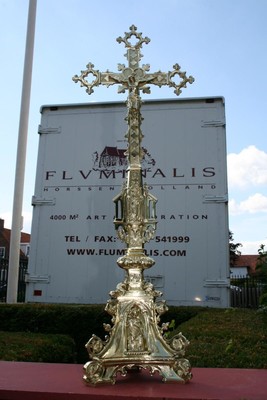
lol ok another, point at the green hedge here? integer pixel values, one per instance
(228, 338)
(77, 321)
(36, 347)
(263, 300)
(231, 338)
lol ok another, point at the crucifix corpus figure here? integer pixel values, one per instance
(136, 340)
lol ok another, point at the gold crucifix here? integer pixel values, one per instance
(133, 77)
(136, 340)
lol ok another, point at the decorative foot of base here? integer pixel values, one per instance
(100, 373)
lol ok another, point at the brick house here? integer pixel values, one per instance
(5, 242)
(244, 265)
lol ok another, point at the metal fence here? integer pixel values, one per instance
(23, 266)
(246, 291)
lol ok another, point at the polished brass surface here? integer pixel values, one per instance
(135, 339)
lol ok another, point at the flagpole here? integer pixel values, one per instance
(14, 252)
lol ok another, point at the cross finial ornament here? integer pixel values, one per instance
(128, 36)
(136, 339)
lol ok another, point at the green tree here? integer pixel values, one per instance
(261, 266)
(233, 249)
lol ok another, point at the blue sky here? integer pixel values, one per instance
(222, 43)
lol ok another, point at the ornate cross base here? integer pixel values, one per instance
(104, 372)
(136, 340)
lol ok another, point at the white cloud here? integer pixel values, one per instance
(253, 204)
(252, 247)
(249, 167)
(233, 207)
(27, 221)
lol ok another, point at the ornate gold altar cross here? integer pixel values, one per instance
(135, 340)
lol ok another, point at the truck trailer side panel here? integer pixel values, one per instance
(81, 167)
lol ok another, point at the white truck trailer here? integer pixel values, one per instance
(81, 167)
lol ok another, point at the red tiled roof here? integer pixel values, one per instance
(24, 238)
(249, 261)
